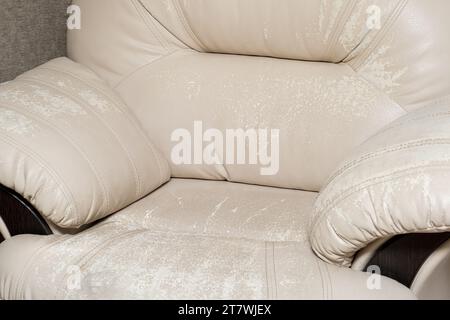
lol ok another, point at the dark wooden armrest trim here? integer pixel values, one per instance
(401, 257)
(19, 215)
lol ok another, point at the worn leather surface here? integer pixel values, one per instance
(325, 79)
(396, 182)
(71, 147)
(316, 71)
(181, 242)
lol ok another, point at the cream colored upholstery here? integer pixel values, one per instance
(182, 242)
(366, 81)
(325, 109)
(396, 182)
(71, 147)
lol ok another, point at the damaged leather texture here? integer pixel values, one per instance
(363, 113)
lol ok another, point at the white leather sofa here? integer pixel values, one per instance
(355, 95)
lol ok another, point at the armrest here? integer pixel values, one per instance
(397, 182)
(70, 146)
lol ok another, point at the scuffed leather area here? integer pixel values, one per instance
(396, 182)
(313, 69)
(71, 147)
(230, 245)
(322, 111)
(314, 30)
(222, 209)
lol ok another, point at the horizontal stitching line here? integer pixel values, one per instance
(370, 183)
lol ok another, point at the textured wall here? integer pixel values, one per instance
(31, 32)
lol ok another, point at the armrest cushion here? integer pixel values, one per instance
(70, 146)
(396, 182)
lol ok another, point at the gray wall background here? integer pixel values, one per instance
(31, 33)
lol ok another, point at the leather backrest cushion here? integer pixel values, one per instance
(71, 147)
(231, 92)
(330, 73)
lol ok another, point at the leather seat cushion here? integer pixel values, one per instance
(189, 239)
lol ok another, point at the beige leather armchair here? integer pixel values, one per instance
(212, 149)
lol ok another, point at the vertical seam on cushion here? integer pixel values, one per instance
(339, 26)
(126, 112)
(187, 26)
(330, 283)
(269, 249)
(137, 181)
(54, 128)
(138, 7)
(375, 88)
(274, 270)
(267, 271)
(156, 21)
(358, 62)
(54, 175)
(319, 268)
(153, 24)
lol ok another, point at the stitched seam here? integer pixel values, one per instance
(339, 26)
(437, 101)
(186, 25)
(390, 21)
(345, 260)
(53, 174)
(324, 295)
(140, 68)
(126, 112)
(391, 149)
(330, 283)
(138, 7)
(89, 83)
(274, 270)
(398, 174)
(155, 21)
(368, 183)
(137, 181)
(54, 128)
(436, 115)
(93, 252)
(267, 271)
(351, 54)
